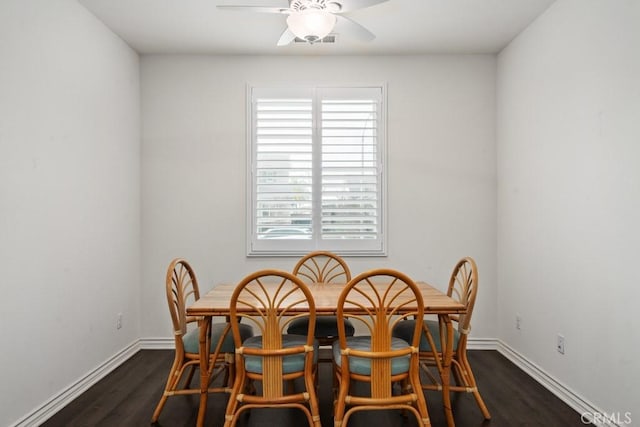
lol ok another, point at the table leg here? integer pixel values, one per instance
(445, 373)
(205, 326)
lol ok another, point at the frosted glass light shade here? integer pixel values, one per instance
(311, 24)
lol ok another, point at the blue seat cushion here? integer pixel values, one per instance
(290, 364)
(404, 330)
(326, 326)
(362, 365)
(191, 339)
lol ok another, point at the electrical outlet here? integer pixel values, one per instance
(119, 321)
(518, 321)
(560, 345)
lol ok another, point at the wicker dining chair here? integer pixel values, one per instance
(182, 290)
(463, 287)
(378, 299)
(268, 299)
(322, 267)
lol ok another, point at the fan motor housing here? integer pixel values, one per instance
(300, 5)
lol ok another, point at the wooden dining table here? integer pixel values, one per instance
(216, 303)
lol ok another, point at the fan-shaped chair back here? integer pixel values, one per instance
(378, 300)
(267, 300)
(322, 267)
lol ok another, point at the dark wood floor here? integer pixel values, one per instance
(128, 396)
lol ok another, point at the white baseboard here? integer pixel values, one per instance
(482, 344)
(59, 401)
(157, 344)
(567, 395)
(574, 400)
(64, 397)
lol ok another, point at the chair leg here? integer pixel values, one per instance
(239, 386)
(313, 399)
(482, 405)
(459, 374)
(335, 383)
(464, 363)
(339, 405)
(421, 403)
(192, 370)
(172, 381)
(156, 413)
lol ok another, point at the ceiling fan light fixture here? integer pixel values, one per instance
(311, 24)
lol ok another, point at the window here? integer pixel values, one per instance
(316, 181)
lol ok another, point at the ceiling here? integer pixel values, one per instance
(401, 26)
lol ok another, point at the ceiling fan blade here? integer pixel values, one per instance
(342, 6)
(350, 28)
(286, 37)
(259, 9)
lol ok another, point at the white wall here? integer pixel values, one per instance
(69, 199)
(441, 144)
(569, 197)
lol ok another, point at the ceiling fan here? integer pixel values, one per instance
(312, 20)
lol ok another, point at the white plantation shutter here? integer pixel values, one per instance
(350, 165)
(315, 180)
(283, 167)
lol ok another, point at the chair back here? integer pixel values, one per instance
(379, 299)
(182, 291)
(463, 287)
(268, 300)
(322, 267)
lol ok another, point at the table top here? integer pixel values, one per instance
(216, 302)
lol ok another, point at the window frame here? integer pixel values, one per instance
(294, 247)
